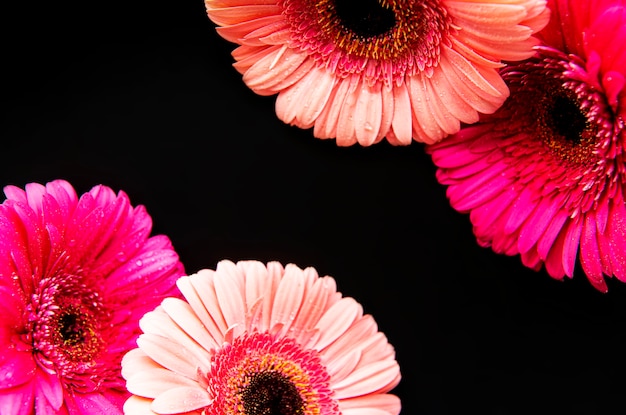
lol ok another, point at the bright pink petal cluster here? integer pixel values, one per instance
(76, 274)
(545, 176)
(254, 338)
(363, 71)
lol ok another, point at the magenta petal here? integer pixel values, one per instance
(49, 390)
(98, 404)
(18, 401)
(570, 245)
(142, 269)
(616, 233)
(536, 224)
(589, 252)
(16, 367)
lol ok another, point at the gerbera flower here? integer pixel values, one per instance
(256, 339)
(76, 274)
(545, 176)
(362, 71)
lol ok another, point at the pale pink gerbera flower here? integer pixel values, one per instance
(545, 176)
(255, 339)
(362, 71)
(76, 274)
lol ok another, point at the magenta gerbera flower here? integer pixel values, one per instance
(76, 274)
(545, 176)
(256, 339)
(362, 71)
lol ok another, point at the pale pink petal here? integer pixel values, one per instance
(151, 383)
(181, 399)
(389, 106)
(193, 298)
(184, 316)
(203, 283)
(326, 124)
(346, 123)
(159, 323)
(452, 100)
(136, 360)
(368, 379)
(301, 104)
(422, 117)
(362, 329)
(136, 405)
(368, 114)
(482, 89)
(343, 365)
(237, 32)
(375, 347)
(369, 411)
(289, 297)
(169, 354)
(230, 293)
(337, 319)
(390, 404)
(307, 318)
(262, 283)
(225, 16)
(273, 68)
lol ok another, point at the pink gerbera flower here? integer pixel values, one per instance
(545, 176)
(76, 274)
(362, 71)
(255, 339)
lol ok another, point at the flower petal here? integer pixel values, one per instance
(181, 399)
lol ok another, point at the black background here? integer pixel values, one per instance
(142, 97)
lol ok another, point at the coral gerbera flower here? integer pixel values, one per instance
(258, 339)
(545, 176)
(76, 274)
(362, 71)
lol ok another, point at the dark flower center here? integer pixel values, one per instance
(271, 393)
(365, 18)
(564, 117)
(71, 329)
(563, 124)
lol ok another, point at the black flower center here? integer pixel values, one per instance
(565, 119)
(271, 393)
(564, 125)
(365, 18)
(71, 328)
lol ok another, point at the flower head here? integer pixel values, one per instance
(76, 274)
(260, 339)
(362, 71)
(545, 176)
